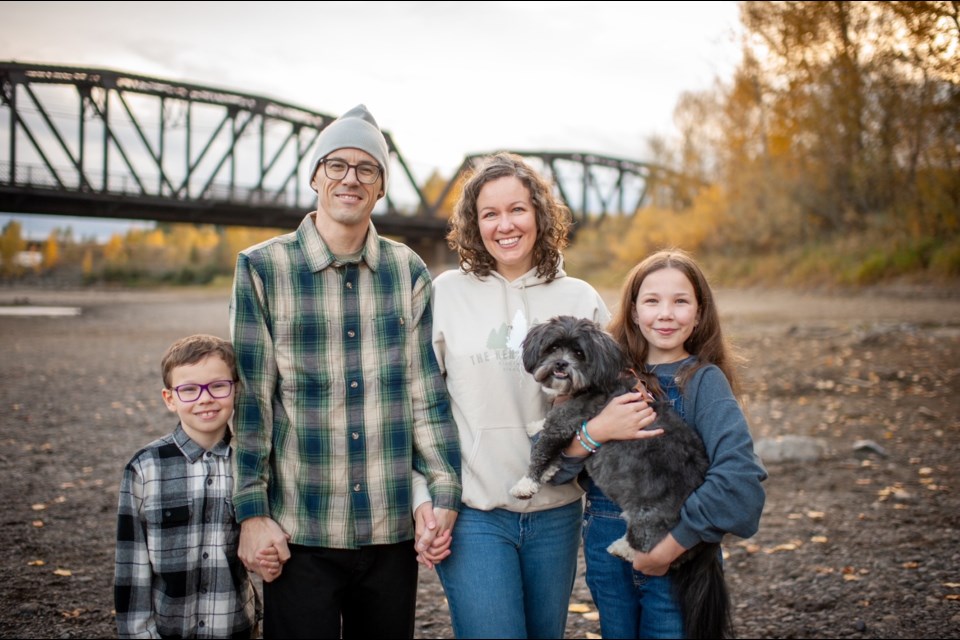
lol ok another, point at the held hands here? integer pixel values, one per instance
(434, 533)
(657, 562)
(263, 547)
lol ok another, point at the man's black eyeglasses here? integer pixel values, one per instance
(337, 170)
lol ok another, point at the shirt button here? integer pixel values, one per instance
(354, 385)
(351, 333)
(200, 624)
(356, 487)
(205, 555)
(349, 285)
(209, 481)
(355, 435)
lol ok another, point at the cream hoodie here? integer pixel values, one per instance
(478, 327)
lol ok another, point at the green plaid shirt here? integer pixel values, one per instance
(340, 396)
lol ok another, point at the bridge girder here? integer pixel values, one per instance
(103, 143)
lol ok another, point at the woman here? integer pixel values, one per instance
(511, 563)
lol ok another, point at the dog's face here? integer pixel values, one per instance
(567, 355)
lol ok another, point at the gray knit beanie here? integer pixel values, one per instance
(356, 129)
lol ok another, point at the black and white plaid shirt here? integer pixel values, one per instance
(177, 571)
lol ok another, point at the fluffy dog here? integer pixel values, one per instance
(649, 479)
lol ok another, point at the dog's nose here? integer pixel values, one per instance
(560, 365)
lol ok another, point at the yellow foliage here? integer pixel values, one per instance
(656, 228)
(51, 251)
(433, 188)
(86, 266)
(114, 252)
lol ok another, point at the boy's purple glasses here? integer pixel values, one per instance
(191, 392)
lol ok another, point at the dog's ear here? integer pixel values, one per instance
(605, 358)
(533, 345)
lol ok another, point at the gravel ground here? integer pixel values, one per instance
(861, 543)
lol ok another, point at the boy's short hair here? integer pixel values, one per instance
(193, 349)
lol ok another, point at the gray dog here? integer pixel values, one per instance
(649, 479)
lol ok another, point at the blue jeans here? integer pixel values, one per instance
(631, 604)
(510, 575)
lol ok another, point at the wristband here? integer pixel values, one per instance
(586, 434)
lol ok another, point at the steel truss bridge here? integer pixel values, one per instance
(103, 143)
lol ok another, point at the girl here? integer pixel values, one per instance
(668, 324)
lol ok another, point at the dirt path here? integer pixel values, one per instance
(857, 544)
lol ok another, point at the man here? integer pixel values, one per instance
(341, 399)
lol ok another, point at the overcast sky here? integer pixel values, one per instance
(444, 78)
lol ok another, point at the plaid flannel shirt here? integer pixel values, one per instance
(177, 571)
(341, 396)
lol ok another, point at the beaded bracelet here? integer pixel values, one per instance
(583, 428)
(584, 444)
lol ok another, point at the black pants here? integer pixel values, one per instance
(371, 592)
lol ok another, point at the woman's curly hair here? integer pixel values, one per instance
(552, 215)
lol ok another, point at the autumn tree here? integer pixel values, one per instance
(51, 250)
(839, 113)
(11, 244)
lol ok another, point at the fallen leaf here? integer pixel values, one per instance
(37, 523)
(63, 572)
(38, 506)
(37, 563)
(849, 577)
(72, 614)
(592, 616)
(577, 607)
(593, 636)
(952, 585)
(60, 499)
(952, 596)
(815, 515)
(787, 546)
(925, 471)
(819, 539)
(910, 565)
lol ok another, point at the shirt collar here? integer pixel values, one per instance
(192, 451)
(319, 256)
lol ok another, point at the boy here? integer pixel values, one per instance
(177, 570)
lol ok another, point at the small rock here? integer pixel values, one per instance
(867, 447)
(790, 448)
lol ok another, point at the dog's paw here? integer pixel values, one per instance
(550, 472)
(525, 488)
(621, 549)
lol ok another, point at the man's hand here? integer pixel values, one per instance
(257, 536)
(434, 533)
